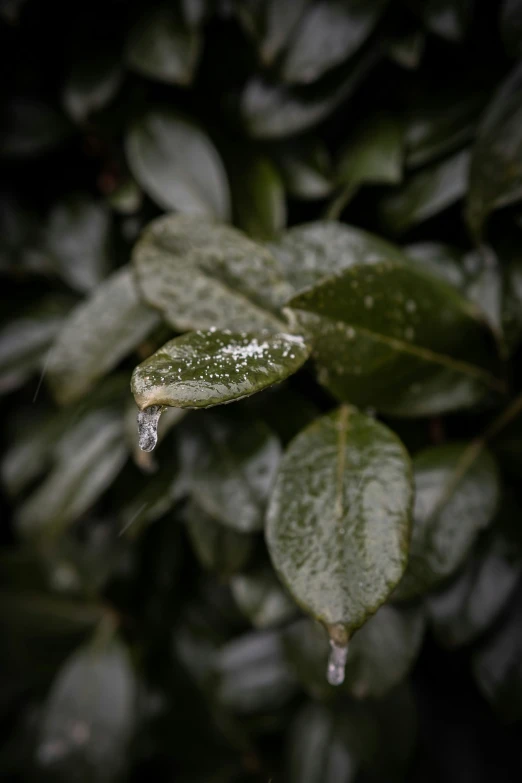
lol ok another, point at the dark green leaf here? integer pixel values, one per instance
(379, 339)
(271, 23)
(406, 49)
(426, 193)
(89, 715)
(163, 46)
(442, 260)
(511, 26)
(473, 600)
(88, 459)
(271, 111)
(36, 613)
(258, 196)
(204, 275)
(30, 128)
(339, 517)
(329, 32)
(306, 169)
(373, 154)
(252, 673)
(77, 240)
(24, 341)
(201, 369)
(151, 498)
(31, 452)
(177, 165)
(317, 750)
(236, 469)
(217, 547)
(454, 481)
(93, 82)
(495, 177)
(98, 333)
(261, 597)
(447, 18)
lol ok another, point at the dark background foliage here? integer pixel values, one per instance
(112, 113)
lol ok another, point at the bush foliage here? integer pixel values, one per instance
(312, 210)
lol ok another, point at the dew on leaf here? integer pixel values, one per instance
(148, 420)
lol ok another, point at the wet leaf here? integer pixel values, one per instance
(277, 25)
(77, 240)
(30, 128)
(379, 339)
(270, 111)
(330, 31)
(88, 460)
(236, 470)
(203, 275)
(454, 481)
(497, 664)
(495, 177)
(258, 196)
(162, 46)
(317, 749)
(339, 517)
(217, 547)
(471, 603)
(92, 83)
(201, 369)
(97, 334)
(252, 674)
(89, 715)
(373, 154)
(306, 169)
(441, 260)
(261, 598)
(177, 165)
(426, 193)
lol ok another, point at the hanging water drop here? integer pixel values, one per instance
(336, 663)
(148, 427)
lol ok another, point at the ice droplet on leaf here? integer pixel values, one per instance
(148, 427)
(336, 663)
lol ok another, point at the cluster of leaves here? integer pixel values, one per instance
(343, 185)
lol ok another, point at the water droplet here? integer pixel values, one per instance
(148, 427)
(368, 301)
(336, 663)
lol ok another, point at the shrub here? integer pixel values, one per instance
(310, 209)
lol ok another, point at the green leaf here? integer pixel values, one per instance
(30, 128)
(77, 240)
(441, 260)
(373, 154)
(87, 462)
(339, 517)
(441, 120)
(89, 715)
(151, 498)
(261, 598)
(317, 750)
(236, 467)
(177, 165)
(495, 177)
(258, 196)
(426, 193)
(97, 335)
(497, 664)
(37, 613)
(271, 111)
(271, 23)
(407, 48)
(315, 251)
(201, 369)
(25, 340)
(380, 655)
(379, 340)
(454, 481)
(252, 674)
(217, 547)
(447, 18)
(471, 603)
(329, 32)
(93, 82)
(162, 46)
(203, 275)
(511, 26)
(30, 452)
(305, 168)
